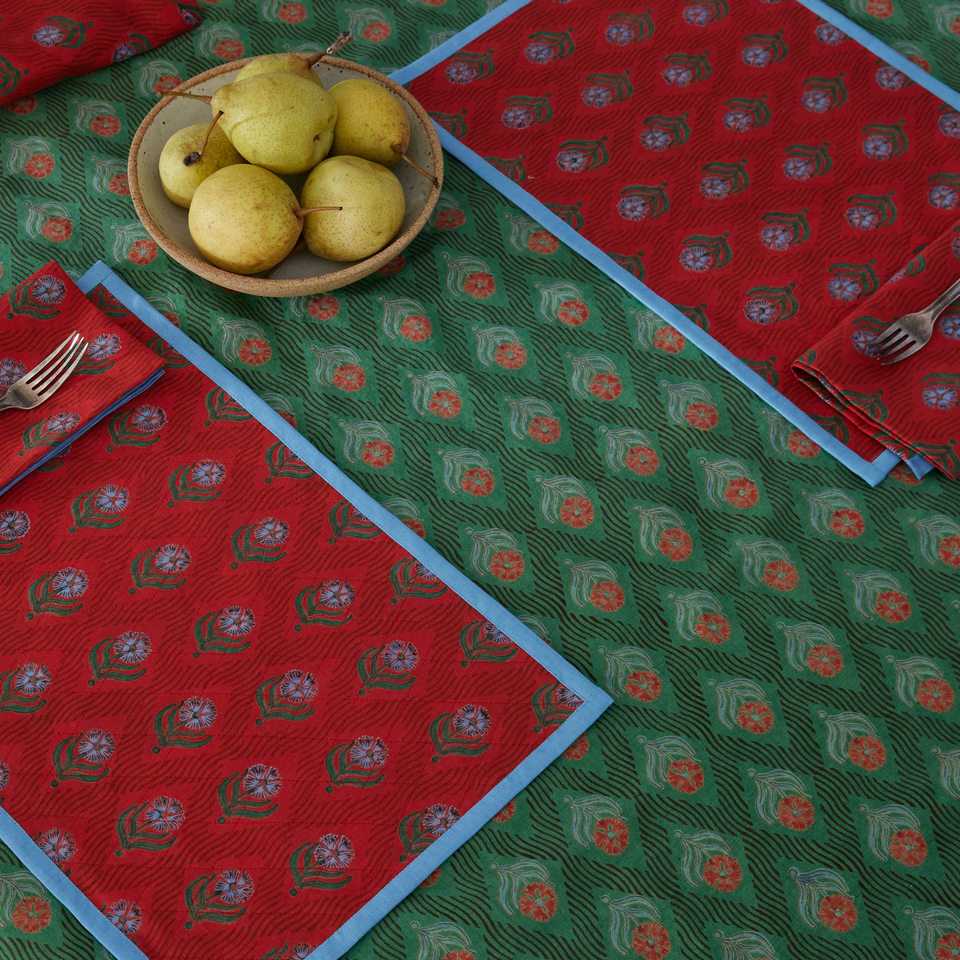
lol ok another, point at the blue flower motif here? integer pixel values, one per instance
(131, 646)
(844, 288)
(761, 311)
(948, 325)
(300, 951)
(123, 51)
(48, 36)
(271, 532)
(863, 341)
(96, 746)
(70, 583)
(368, 752)
(862, 218)
(738, 120)
(697, 259)
(4, 774)
(14, 524)
(197, 713)
(171, 558)
(236, 621)
(656, 139)
(439, 818)
(400, 657)
(333, 852)
(677, 75)
(949, 124)
(816, 101)
(829, 34)
(336, 593)
(11, 371)
(48, 290)
(943, 197)
(877, 147)
(716, 188)
(125, 915)
(164, 814)
(59, 845)
(233, 886)
(111, 499)
(797, 168)
(539, 52)
(776, 237)
(568, 697)
(471, 720)
(460, 72)
(261, 781)
(890, 78)
(298, 685)
(940, 397)
(62, 422)
(697, 15)
(423, 573)
(620, 34)
(103, 346)
(493, 634)
(633, 207)
(756, 56)
(207, 473)
(573, 161)
(148, 418)
(517, 118)
(32, 679)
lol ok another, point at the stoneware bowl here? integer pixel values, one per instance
(303, 274)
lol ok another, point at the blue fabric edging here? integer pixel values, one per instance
(595, 700)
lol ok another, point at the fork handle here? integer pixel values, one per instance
(943, 301)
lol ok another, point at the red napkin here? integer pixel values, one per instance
(910, 406)
(43, 45)
(36, 316)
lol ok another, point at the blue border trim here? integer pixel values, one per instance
(595, 700)
(873, 471)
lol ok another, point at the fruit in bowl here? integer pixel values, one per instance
(274, 88)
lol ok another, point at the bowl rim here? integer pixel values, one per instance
(288, 286)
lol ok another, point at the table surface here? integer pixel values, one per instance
(687, 543)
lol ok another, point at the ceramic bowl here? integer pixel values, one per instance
(303, 274)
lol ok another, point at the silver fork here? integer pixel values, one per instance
(43, 381)
(913, 331)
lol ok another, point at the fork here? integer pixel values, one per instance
(913, 331)
(43, 381)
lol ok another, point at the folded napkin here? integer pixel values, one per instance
(43, 45)
(36, 316)
(911, 406)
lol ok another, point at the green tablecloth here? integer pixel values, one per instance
(680, 543)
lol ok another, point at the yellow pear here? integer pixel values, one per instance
(278, 121)
(278, 63)
(179, 180)
(371, 122)
(372, 204)
(243, 219)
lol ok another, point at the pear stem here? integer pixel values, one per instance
(303, 212)
(342, 40)
(189, 96)
(191, 158)
(429, 176)
(299, 247)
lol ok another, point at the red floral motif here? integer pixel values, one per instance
(543, 242)
(254, 351)
(479, 286)
(642, 461)
(723, 873)
(948, 946)
(606, 386)
(908, 847)
(292, 13)
(349, 377)
(478, 482)
(676, 544)
(432, 879)
(643, 685)
(755, 717)
(456, 954)
(867, 752)
(166, 83)
(825, 660)
(741, 493)
(847, 523)
(712, 627)
(507, 565)
(323, 307)
(838, 913)
(22, 105)
(393, 266)
(229, 49)
(450, 219)
(31, 914)
(882, 9)
(376, 32)
(780, 575)
(578, 749)
(892, 605)
(650, 941)
(538, 901)
(611, 836)
(57, 229)
(686, 776)
(574, 313)
(703, 416)
(936, 695)
(948, 550)
(607, 595)
(904, 475)
(544, 430)
(576, 512)
(377, 454)
(669, 340)
(416, 328)
(446, 404)
(105, 125)
(40, 165)
(142, 252)
(800, 445)
(118, 185)
(510, 356)
(795, 812)
(502, 816)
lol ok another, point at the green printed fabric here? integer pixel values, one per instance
(780, 774)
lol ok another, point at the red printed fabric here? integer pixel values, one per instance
(909, 406)
(37, 316)
(43, 44)
(232, 708)
(752, 164)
